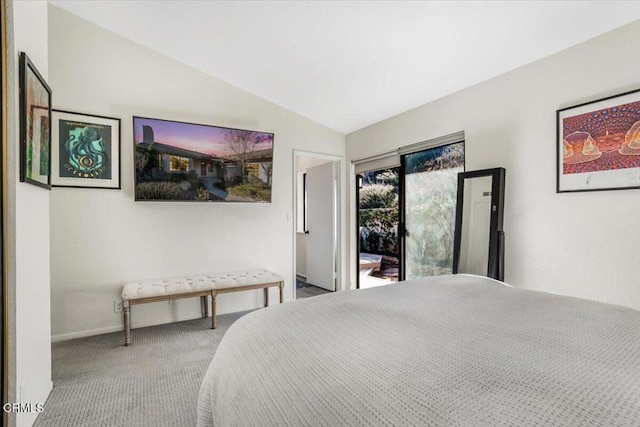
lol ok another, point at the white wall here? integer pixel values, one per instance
(582, 244)
(27, 231)
(102, 238)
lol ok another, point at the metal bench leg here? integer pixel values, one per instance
(281, 290)
(266, 296)
(214, 296)
(127, 322)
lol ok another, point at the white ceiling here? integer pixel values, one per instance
(349, 64)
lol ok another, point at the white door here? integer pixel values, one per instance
(321, 224)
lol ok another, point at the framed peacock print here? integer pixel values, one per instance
(35, 126)
(598, 145)
(85, 150)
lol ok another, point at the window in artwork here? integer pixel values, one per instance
(178, 164)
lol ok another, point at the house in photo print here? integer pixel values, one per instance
(258, 164)
(191, 162)
(174, 159)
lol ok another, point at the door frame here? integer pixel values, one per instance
(402, 218)
(357, 206)
(337, 244)
(4, 308)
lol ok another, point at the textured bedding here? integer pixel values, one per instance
(450, 350)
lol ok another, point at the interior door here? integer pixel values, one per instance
(321, 226)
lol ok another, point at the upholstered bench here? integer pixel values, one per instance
(196, 286)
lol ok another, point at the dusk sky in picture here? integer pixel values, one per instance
(201, 138)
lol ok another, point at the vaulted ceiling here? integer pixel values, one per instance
(348, 64)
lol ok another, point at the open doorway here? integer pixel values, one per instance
(316, 207)
(378, 219)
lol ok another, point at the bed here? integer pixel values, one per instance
(448, 350)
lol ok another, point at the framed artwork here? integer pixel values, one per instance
(85, 150)
(35, 126)
(189, 162)
(598, 145)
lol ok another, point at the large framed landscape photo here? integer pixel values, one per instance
(85, 150)
(35, 126)
(178, 161)
(598, 145)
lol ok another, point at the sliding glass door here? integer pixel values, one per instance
(429, 208)
(406, 214)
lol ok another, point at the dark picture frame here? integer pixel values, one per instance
(35, 126)
(190, 162)
(598, 144)
(86, 150)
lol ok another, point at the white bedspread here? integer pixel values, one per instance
(451, 350)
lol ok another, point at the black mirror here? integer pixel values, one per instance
(479, 237)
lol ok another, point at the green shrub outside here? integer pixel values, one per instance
(158, 191)
(257, 191)
(378, 230)
(202, 194)
(378, 196)
(379, 213)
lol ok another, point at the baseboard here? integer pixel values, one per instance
(27, 419)
(134, 325)
(301, 277)
(119, 328)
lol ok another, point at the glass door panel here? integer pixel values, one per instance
(430, 190)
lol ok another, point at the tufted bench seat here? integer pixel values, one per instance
(141, 292)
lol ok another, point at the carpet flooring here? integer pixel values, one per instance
(154, 382)
(305, 290)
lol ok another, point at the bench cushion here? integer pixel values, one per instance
(183, 285)
(245, 278)
(162, 287)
